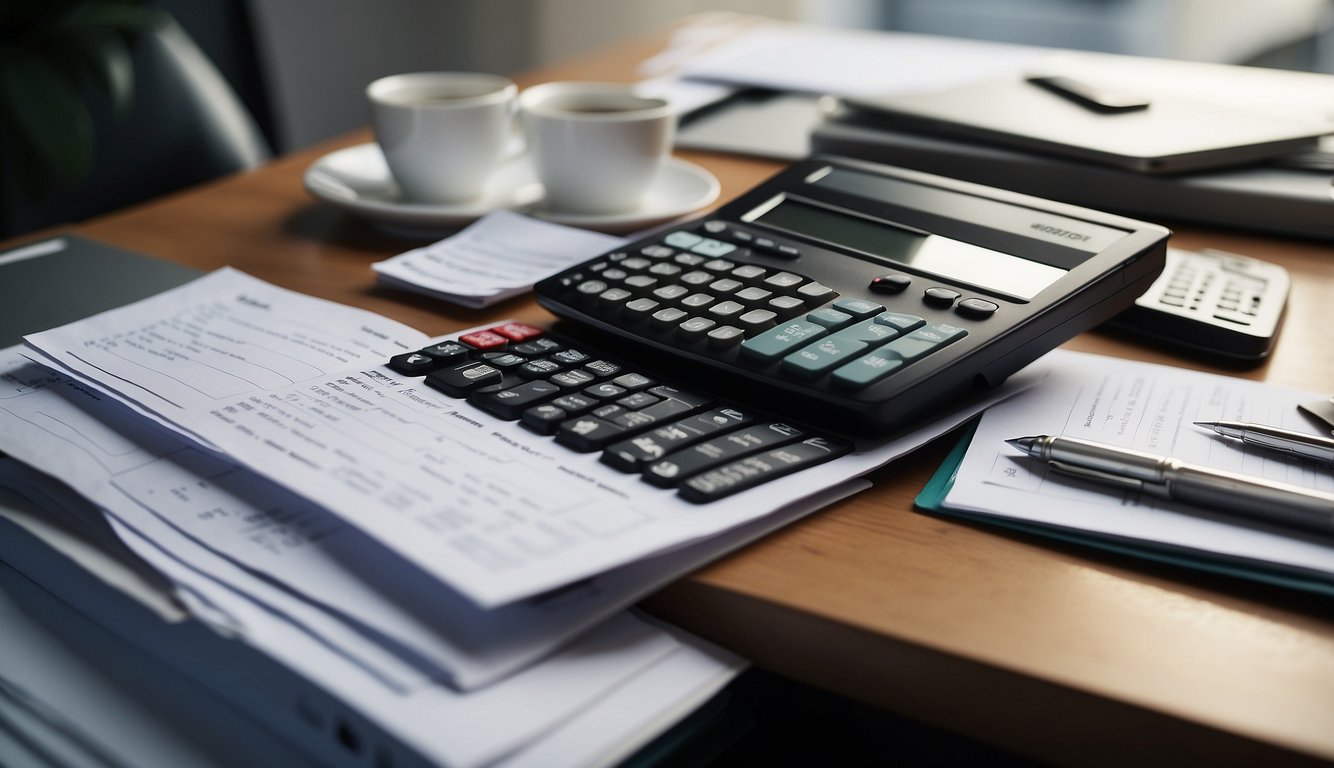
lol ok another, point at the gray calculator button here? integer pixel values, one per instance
(758, 319)
(671, 292)
(688, 259)
(749, 273)
(727, 310)
(786, 306)
(814, 293)
(939, 297)
(613, 297)
(640, 282)
(858, 308)
(656, 251)
(635, 263)
(726, 285)
(664, 269)
(784, 280)
(666, 318)
(697, 301)
(695, 327)
(977, 308)
(697, 277)
(715, 227)
(719, 265)
(641, 307)
(753, 294)
(725, 336)
(591, 287)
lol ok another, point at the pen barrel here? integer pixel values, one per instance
(1254, 499)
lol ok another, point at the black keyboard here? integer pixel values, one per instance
(672, 437)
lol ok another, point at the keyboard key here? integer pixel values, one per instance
(656, 251)
(784, 281)
(503, 360)
(719, 265)
(697, 278)
(758, 320)
(755, 470)
(669, 317)
(725, 336)
(636, 400)
(414, 363)
(753, 295)
(572, 379)
(697, 301)
(814, 293)
(604, 391)
(640, 283)
(725, 285)
(575, 404)
(726, 310)
(570, 357)
(671, 292)
(641, 308)
(539, 369)
(786, 306)
(603, 368)
(695, 328)
(719, 450)
(633, 381)
(749, 273)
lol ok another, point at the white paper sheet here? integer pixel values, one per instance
(487, 507)
(114, 458)
(846, 62)
(500, 255)
(1148, 408)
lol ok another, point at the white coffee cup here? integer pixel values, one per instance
(595, 146)
(442, 133)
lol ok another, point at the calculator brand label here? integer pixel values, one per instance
(1063, 234)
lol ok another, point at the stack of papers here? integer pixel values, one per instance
(1148, 408)
(500, 255)
(428, 565)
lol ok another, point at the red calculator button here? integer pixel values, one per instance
(484, 340)
(518, 331)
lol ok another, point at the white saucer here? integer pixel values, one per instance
(357, 179)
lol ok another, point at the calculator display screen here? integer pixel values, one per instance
(921, 251)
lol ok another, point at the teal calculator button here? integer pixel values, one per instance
(925, 340)
(868, 332)
(866, 370)
(821, 355)
(682, 239)
(858, 308)
(829, 318)
(780, 340)
(707, 246)
(899, 321)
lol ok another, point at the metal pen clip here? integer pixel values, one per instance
(1107, 478)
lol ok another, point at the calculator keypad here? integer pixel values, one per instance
(675, 438)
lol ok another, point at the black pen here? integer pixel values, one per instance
(1298, 444)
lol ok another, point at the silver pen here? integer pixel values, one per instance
(1249, 497)
(1301, 445)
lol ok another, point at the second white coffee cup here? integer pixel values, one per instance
(595, 146)
(442, 133)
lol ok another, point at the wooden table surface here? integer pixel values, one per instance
(1053, 651)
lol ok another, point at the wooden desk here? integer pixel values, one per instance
(1053, 651)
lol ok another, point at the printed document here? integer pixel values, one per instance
(1148, 408)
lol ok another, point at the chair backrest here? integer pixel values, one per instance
(186, 126)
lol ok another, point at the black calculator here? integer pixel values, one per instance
(838, 299)
(856, 296)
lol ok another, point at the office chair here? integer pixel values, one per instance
(186, 126)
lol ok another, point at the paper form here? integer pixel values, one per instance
(485, 506)
(500, 255)
(1147, 408)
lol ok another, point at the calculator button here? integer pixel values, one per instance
(575, 404)
(632, 381)
(503, 360)
(780, 340)
(537, 369)
(640, 283)
(695, 327)
(866, 370)
(726, 310)
(640, 308)
(784, 281)
(890, 283)
(710, 247)
(717, 451)
(786, 306)
(484, 340)
(766, 243)
(829, 318)
(664, 269)
(570, 357)
(697, 301)
(899, 321)
(688, 259)
(572, 379)
(604, 391)
(518, 331)
(636, 400)
(726, 285)
(461, 379)
(414, 363)
(758, 320)
(536, 347)
(635, 263)
(725, 336)
(858, 308)
(509, 404)
(714, 227)
(822, 355)
(671, 292)
(868, 332)
(544, 419)
(925, 340)
(682, 239)
(631, 455)
(668, 317)
(587, 433)
(815, 293)
(753, 294)
(977, 308)
(446, 351)
(613, 297)
(697, 277)
(656, 251)
(749, 472)
(749, 273)
(939, 297)
(613, 274)
(719, 265)
(788, 251)
(603, 368)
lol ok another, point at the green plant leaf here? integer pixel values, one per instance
(104, 55)
(44, 113)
